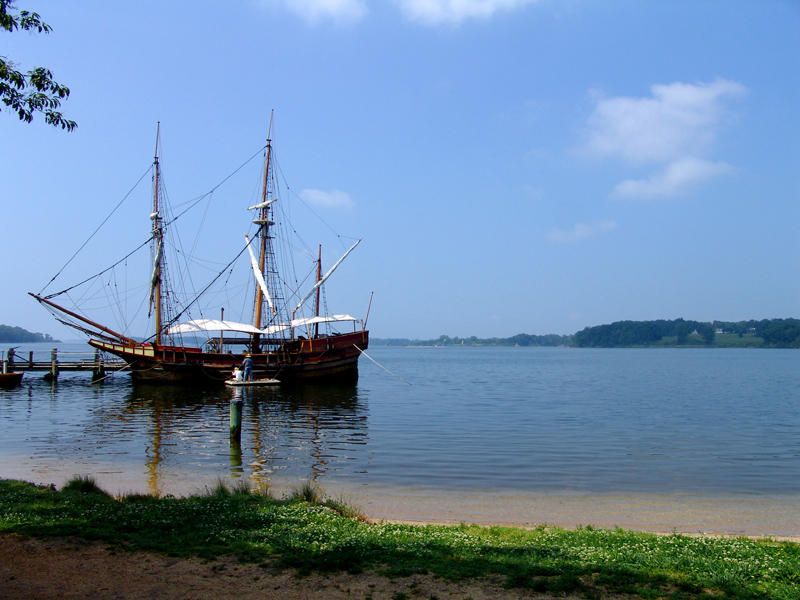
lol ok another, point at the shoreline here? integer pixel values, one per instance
(752, 517)
(745, 515)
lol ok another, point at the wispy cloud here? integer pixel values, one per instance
(676, 178)
(581, 231)
(454, 12)
(426, 12)
(314, 11)
(674, 129)
(332, 199)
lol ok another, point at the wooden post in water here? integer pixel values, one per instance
(53, 374)
(99, 370)
(235, 455)
(236, 420)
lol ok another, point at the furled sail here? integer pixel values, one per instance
(264, 204)
(272, 329)
(328, 274)
(156, 274)
(198, 325)
(259, 275)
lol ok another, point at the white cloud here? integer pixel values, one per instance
(454, 12)
(427, 12)
(674, 128)
(332, 199)
(580, 231)
(313, 11)
(678, 177)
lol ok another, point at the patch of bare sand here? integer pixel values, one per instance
(67, 569)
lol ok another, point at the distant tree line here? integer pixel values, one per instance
(775, 333)
(642, 333)
(521, 339)
(779, 333)
(18, 335)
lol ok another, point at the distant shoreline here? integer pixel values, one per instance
(677, 333)
(380, 343)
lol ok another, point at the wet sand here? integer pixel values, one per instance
(771, 517)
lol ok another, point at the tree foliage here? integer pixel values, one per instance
(18, 335)
(34, 91)
(643, 333)
(521, 339)
(780, 333)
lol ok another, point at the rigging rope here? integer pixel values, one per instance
(205, 289)
(212, 190)
(95, 232)
(381, 366)
(124, 258)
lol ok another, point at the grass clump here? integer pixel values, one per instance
(307, 492)
(83, 484)
(315, 535)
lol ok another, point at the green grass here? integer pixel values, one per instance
(732, 340)
(316, 535)
(721, 340)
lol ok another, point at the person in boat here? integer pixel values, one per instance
(238, 375)
(247, 364)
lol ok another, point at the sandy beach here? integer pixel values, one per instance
(753, 517)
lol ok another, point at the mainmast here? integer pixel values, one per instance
(263, 223)
(158, 238)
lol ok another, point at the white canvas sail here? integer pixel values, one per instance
(264, 204)
(259, 276)
(205, 325)
(328, 274)
(273, 329)
(156, 274)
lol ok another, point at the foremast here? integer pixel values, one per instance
(156, 294)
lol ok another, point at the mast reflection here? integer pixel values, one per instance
(288, 432)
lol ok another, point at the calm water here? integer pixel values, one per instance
(503, 421)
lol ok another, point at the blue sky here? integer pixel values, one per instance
(513, 165)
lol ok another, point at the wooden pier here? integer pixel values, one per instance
(98, 363)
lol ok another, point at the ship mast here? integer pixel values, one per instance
(319, 276)
(158, 237)
(263, 223)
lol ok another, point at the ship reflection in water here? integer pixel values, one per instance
(290, 434)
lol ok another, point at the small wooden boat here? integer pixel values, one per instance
(235, 383)
(10, 380)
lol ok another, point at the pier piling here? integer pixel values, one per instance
(99, 370)
(53, 374)
(236, 419)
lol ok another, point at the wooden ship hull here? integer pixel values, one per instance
(331, 358)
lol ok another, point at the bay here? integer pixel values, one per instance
(654, 438)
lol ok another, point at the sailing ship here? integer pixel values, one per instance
(274, 340)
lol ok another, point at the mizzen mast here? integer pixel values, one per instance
(319, 276)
